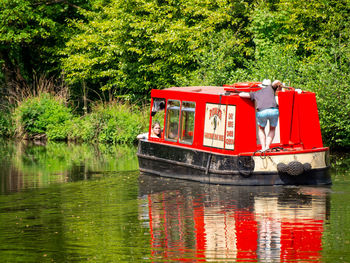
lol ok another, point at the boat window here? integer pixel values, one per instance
(157, 116)
(187, 122)
(158, 105)
(172, 120)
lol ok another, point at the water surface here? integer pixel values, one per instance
(84, 203)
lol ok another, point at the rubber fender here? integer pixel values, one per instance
(282, 167)
(245, 165)
(307, 167)
(295, 168)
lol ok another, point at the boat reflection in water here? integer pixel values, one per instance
(190, 221)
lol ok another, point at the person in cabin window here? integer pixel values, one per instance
(173, 130)
(266, 109)
(156, 132)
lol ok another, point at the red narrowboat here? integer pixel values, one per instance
(209, 134)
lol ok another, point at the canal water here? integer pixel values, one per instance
(84, 203)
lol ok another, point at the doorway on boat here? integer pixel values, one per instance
(180, 119)
(188, 110)
(172, 120)
(158, 113)
(275, 140)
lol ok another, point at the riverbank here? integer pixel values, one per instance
(47, 117)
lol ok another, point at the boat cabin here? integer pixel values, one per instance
(217, 119)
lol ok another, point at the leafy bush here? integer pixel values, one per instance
(58, 132)
(6, 126)
(330, 82)
(43, 114)
(119, 123)
(82, 129)
(109, 123)
(127, 50)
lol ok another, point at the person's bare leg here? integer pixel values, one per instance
(270, 136)
(262, 137)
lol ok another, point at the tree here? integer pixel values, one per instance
(304, 26)
(133, 46)
(31, 33)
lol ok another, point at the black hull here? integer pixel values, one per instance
(182, 163)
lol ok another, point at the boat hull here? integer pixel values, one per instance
(208, 167)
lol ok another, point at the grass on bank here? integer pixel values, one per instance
(47, 117)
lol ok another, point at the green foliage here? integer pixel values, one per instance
(304, 26)
(110, 123)
(22, 19)
(31, 34)
(274, 63)
(135, 45)
(57, 132)
(331, 85)
(6, 125)
(216, 62)
(82, 129)
(40, 115)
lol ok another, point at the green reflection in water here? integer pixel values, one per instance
(90, 220)
(49, 212)
(32, 166)
(336, 238)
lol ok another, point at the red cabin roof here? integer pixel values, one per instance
(248, 86)
(216, 90)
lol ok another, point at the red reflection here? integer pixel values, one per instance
(198, 217)
(247, 236)
(186, 228)
(301, 240)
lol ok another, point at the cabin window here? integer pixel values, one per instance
(187, 122)
(172, 120)
(157, 116)
(158, 106)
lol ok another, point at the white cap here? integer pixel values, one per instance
(265, 83)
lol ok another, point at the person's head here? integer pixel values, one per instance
(156, 128)
(277, 85)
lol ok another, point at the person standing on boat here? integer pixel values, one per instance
(266, 109)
